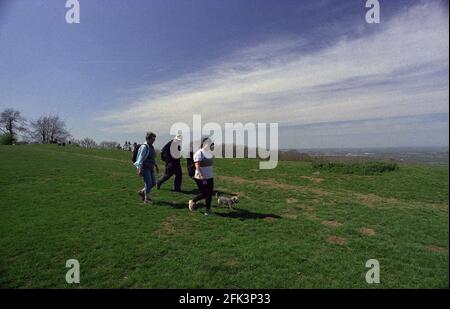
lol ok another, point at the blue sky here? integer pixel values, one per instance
(316, 67)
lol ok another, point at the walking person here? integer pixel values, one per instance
(171, 155)
(146, 164)
(204, 176)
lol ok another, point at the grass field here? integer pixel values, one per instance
(294, 227)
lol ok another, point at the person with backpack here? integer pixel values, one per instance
(190, 165)
(144, 158)
(173, 165)
(204, 177)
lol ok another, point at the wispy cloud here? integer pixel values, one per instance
(397, 70)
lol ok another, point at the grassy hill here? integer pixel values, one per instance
(295, 227)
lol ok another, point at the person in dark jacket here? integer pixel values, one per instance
(171, 154)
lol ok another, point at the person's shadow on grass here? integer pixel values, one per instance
(235, 213)
(245, 215)
(177, 205)
(196, 191)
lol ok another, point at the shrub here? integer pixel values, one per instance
(7, 139)
(355, 167)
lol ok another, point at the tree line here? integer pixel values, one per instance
(44, 130)
(49, 129)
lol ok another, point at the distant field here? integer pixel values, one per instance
(294, 227)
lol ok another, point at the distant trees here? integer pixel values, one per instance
(49, 129)
(110, 145)
(87, 143)
(12, 122)
(45, 130)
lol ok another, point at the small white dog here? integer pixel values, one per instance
(226, 201)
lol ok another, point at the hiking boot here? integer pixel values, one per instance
(141, 194)
(191, 205)
(208, 212)
(148, 202)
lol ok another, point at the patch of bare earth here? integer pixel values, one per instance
(313, 179)
(372, 199)
(301, 206)
(227, 260)
(336, 240)
(438, 249)
(310, 208)
(367, 231)
(272, 184)
(172, 226)
(289, 214)
(309, 212)
(332, 223)
(311, 217)
(291, 200)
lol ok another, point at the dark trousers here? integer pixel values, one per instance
(172, 169)
(206, 191)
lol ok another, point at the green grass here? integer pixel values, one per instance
(61, 203)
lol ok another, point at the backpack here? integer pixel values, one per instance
(164, 154)
(135, 152)
(190, 167)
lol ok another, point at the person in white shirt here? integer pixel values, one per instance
(204, 174)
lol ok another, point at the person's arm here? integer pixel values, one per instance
(140, 158)
(198, 156)
(199, 169)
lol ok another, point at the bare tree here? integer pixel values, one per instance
(49, 129)
(88, 143)
(110, 145)
(12, 122)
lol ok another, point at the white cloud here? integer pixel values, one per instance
(394, 71)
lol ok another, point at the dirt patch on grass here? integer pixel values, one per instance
(305, 208)
(172, 226)
(310, 208)
(291, 200)
(332, 223)
(439, 206)
(337, 240)
(272, 184)
(289, 214)
(372, 199)
(311, 217)
(270, 219)
(367, 231)
(224, 259)
(313, 179)
(438, 249)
